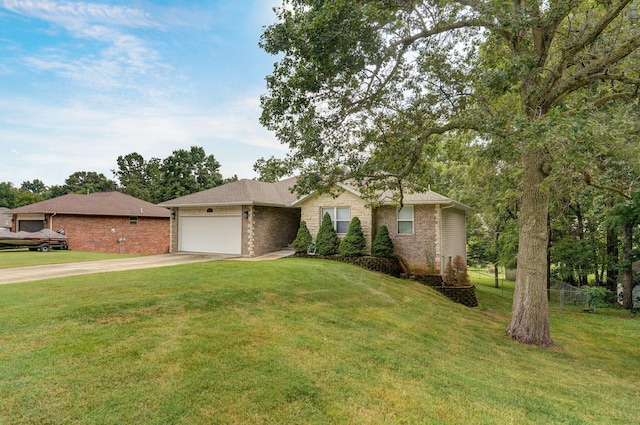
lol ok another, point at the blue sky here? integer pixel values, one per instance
(82, 82)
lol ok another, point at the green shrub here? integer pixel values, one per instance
(596, 297)
(382, 244)
(303, 238)
(353, 243)
(327, 239)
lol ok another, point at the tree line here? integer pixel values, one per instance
(154, 180)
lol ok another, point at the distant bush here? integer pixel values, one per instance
(596, 297)
(353, 243)
(303, 238)
(382, 245)
(327, 239)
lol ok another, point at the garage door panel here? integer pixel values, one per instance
(220, 235)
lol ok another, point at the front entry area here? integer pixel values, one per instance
(218, 235)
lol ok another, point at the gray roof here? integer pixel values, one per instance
(424, 198)
(387, 198)
(241, 192)
(254, 192)
(101, 203)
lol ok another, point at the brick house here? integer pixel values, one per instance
(246, 217)
(5, 218)
(252, 218)
(108, 222)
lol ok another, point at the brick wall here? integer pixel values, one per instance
(311, 212)
(413, 249)
(273, 229)
(100, 234)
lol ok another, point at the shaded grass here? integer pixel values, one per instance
(298, 341)
(24, 257)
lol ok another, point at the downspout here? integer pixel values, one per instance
(51, 221)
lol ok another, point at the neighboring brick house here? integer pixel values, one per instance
(5, 218)
(252, 218)
(108, 222)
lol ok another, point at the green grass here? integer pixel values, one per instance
(24, 257)
(299, 341)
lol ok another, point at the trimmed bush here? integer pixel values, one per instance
(327, 239)
(382, 244)
(303, 238)
(353, 243)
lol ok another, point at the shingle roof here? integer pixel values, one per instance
(425, 198)
(101, 203)
(254, 192)
(241, 192)
(387, 198)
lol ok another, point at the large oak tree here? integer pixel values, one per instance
(364, 89)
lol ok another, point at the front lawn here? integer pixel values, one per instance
(24, 257)
(299, 341)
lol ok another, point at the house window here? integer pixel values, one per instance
(405, 220)
(133, 221)
(340, 217)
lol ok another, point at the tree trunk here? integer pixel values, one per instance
(612, 260)
(495, 262)
(530, 316)
(548, 257)
(627, 272)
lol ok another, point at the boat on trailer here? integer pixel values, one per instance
(43, 240)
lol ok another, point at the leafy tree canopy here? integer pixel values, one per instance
(181, 173)
(88, 182)
(189, 171)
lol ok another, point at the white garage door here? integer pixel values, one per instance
(220, 235)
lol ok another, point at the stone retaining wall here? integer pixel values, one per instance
(465, 295)
(390, 266)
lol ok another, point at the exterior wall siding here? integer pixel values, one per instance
(273, 229)
(112, 234)
(418, 250)
(311, 212)
(454, 237)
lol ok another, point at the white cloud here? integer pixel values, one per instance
(79, 14)
(103, 81)
(119, 58)
(58, 141)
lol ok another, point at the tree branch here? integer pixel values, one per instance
(442, 28)
(571, 51)
(597, 71)
(588, 180)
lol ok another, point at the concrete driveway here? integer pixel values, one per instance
(50, 271)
